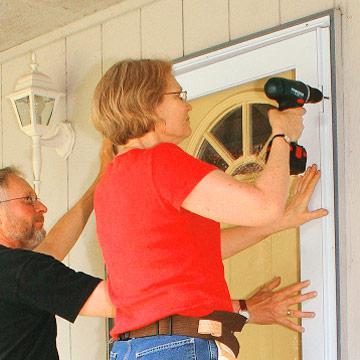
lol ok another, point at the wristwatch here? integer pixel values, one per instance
(243, 310)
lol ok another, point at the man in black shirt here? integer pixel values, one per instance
(35, 286)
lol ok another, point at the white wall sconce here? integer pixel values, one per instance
(35, 102)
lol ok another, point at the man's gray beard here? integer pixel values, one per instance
(36, 239)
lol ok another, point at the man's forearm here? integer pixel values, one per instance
(62, 237)
(67, 230)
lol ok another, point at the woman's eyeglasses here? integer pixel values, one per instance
(182, 94)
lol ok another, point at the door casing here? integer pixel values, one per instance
(304, 47)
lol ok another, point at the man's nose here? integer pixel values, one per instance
(40, 207)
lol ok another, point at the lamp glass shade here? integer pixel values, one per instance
(44, 107)
(23, 109)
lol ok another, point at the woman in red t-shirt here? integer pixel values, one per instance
(158, 211)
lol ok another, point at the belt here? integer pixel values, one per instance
(224, 323)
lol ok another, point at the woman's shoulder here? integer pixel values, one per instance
(168, 148)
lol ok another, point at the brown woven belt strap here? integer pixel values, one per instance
(188, 326)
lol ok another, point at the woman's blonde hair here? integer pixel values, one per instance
(126, 97)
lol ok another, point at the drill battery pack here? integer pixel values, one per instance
(298, 158)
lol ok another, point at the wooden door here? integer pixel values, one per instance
(231, 131)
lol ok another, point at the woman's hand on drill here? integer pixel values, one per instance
(288, 122)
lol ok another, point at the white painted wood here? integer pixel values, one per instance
(121, 38)
(54, 176)
(349, 177)
(327, 184)
(1, 119)
(248, 16)
(161, 29)
(83, 59)
(291, 10)
(206, 23)
(306, 49)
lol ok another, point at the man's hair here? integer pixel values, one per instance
(126, 97)
(5, 173)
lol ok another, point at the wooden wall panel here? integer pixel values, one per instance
(291, 10)
(248, 16)
(121, 39)
(161, 29)
(54, 175)
(83, 72)
(350, 197)
(1, 118)
(54, 178)
(206, 24)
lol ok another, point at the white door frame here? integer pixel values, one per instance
(207, 73)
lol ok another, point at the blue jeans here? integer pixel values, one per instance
(174, 347)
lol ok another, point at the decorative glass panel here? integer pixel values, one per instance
(248, 168)
(261, 129)
(229, 132)
(23, 109)
(207, 153)
(43, 109)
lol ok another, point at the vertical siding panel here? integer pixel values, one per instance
(54, 181)
(206, 23)
(161, 29)
(350, 127)
(1, 118)
(248, 16)
(121, 39)
(84, 71)
(53, 187)
(291, 10)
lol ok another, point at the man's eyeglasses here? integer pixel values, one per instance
(182, 94)
(29, 200)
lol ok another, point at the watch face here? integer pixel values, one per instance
(245, 314)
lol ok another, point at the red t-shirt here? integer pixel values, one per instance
(161, 259)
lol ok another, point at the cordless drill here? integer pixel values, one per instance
(292, 94)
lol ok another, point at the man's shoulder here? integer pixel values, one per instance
(18, 252)
(20, 262)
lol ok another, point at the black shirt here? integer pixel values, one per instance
(33, 289)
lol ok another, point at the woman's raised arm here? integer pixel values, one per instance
(220, 197)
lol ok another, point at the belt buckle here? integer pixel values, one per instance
(211, 327)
